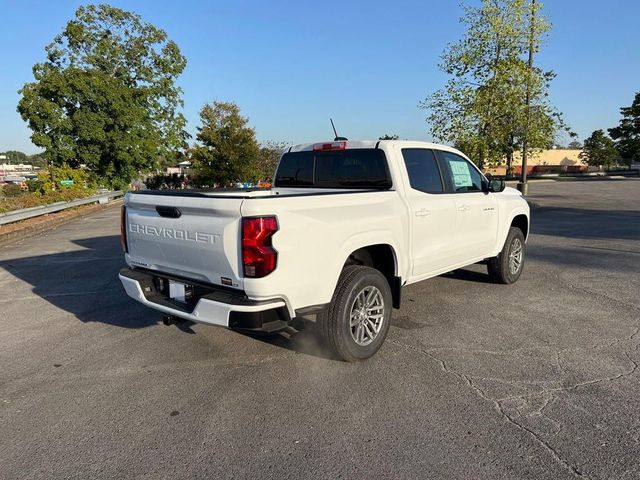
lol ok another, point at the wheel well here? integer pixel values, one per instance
(521, 222)
(382, 258)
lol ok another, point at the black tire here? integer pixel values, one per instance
(334, 322)
(501, 268)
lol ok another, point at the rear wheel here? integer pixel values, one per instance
(355, 323)
(507, 266)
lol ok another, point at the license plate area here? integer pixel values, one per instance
(180, 292)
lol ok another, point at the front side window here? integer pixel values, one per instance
(464, 177)
(422, 169)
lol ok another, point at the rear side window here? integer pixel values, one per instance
(356, 168)
(422, 169)
(464, 177)
(294, 171)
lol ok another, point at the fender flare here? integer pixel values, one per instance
(504, 231)
(356, 242)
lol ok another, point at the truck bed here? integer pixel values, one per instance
(196, 234)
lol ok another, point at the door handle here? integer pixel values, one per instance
(423, 212)
(464, 208)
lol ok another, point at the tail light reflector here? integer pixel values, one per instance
(259, 258)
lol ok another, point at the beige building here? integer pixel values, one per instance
(555, 160)
(556, 156)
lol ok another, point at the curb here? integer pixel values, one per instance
(52, 221)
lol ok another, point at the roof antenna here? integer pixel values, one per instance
(337, 138)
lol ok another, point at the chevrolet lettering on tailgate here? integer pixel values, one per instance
(174, 233)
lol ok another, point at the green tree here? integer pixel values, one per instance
(627, 133)
(14, 156)
(483, 107)
(37, 160)
(106, 96)
(386, 136)
(228, 150)
(575, 145)
(268, 158)
(598, 150)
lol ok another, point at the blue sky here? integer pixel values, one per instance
(290, 65)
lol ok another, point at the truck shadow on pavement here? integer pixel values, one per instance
(84, 282)
(468, 275)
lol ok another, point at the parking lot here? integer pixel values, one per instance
(476, 380)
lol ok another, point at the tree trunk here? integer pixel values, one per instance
(525, 146)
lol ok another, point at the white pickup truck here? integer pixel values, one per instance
(345, 226)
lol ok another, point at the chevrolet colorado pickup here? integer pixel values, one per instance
(344, 227)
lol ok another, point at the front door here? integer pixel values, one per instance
(432, 213)
(476, 227)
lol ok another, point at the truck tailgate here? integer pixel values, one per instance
(196, 237)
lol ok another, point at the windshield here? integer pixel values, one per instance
(356, 168)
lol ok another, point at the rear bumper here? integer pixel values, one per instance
(214, 307)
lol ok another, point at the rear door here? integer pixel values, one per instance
(432, 212)
(194, 236)
(476, 210)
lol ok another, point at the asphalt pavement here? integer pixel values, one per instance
(476, 380)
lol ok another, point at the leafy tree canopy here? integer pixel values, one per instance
(386, 136)
(576, 145)
(598, 150)
(268, 158)
(106, 95)
(228, 150)
(627, 133)
(14, 156)
(482, 108)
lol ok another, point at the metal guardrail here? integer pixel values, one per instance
(25, 213)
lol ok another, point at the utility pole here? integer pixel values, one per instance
(523, 186)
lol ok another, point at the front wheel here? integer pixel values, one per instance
(507, 266)
(355, 323)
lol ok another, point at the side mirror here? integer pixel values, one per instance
(497, 185)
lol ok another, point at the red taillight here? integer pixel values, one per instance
(123, 229)
(327, 147)
(258, 256)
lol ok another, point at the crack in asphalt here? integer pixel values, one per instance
(597, 294)
(548, 394)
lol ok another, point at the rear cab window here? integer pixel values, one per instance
(364, 168)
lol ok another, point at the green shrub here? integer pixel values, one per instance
(43, 191)
(12, 190)
(82, 179)
(34, 186)
(36, 199)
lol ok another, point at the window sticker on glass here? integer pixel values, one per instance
(461, 174)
